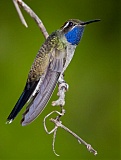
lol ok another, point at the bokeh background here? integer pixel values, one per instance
(92, 102)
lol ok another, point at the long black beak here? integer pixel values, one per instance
(91, 21)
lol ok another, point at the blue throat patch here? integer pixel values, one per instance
(75, 35)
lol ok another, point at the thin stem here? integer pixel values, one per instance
(53, 144)
(32, 14)
(59, 124)
(20, 13)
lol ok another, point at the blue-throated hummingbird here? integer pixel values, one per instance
(50, 63)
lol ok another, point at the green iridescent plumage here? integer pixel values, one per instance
(42, 59)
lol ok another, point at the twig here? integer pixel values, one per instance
(54, 130)
(32, 14)
(58, 124)
(53, 144)
(80, 140)
(44, 121)
(19, 13)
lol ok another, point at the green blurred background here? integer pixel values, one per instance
(92, 102)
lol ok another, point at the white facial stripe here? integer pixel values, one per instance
(66, 25)
(74, 26)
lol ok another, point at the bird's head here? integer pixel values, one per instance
(73, 30)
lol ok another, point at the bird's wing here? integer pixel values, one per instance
(41, 98)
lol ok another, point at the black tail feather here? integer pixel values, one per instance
(26, 94)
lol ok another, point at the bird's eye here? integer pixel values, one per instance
(70, 24)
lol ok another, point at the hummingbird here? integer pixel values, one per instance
(50, 63)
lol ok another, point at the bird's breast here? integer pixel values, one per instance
(70, 49)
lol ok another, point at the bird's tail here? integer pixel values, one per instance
(28, 90)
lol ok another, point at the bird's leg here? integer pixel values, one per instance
(62, 88)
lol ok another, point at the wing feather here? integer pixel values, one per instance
(41, 98)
